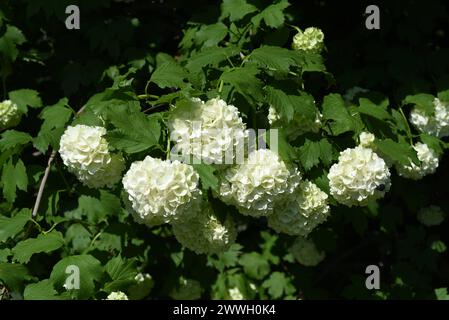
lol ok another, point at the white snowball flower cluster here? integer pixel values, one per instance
(9, 114)
(85, 152)
(208, 130)
(142, 287)
(306, 253)
(306, 208)
(205, 233)
(256, 185)
(311, 40)
(188, 289)
(117, 295)
(431, 216)
(429, 163)
(436, 125)
(366, 139)
(235, 294)
(359, 177)
(162, 191)
(273, 115)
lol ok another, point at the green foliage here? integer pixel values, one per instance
(128, 67)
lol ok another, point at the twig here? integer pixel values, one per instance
(46, 174)
(43, 182)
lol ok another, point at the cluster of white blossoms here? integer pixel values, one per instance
(273, 115)
(162, 191)
(85, 152)
(187, 289)
(9, 114)
(366, 139)
(429, 163)
(117, 295)
(255, 186)
(310, 40)
(437, 124)
(205, 233)
(210, 131)
(306, 253)
(306, 208)
(359, 177)
(431, 216)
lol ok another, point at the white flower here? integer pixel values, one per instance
(254, 186)
(207, 130)
(273, 116)
(235, 294)
(85, 152)
(366, 139)
(437, 124)
(117, 295)
(187, 289)
(204, 233)
(312, 40)
(142, 287)
(9, 114)
(431, 216)
(359, 177)
(306, 208)
(429, 163)
(162, 191)
(109, 175)
(306, 253)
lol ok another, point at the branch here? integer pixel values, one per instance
(46, 174)
(43, 182)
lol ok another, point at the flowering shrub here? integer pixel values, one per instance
(246, 150)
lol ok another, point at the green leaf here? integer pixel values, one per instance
(433, 142)
(272, 57)
(236, 9)
(12, 226)
(25, 98)
(281, 102)
(13, 275)
(9, 42)
(90, 271)
(335, 111)
(210, 56)
(55, 118)
(206, 173)
(278, 284)
(438, 246)
(255, 265)
(42, 290)
(136, 131)
(444, 96)
(122, 273)
(79, 237)
(43, 243)
(441, 294)
(398, 152)
(13, 177)
(169, 74)
(13, 138)
(211, 35)
(273, 15)
(374, 110)
(245, 82)
(309, 154)
(423, 101)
